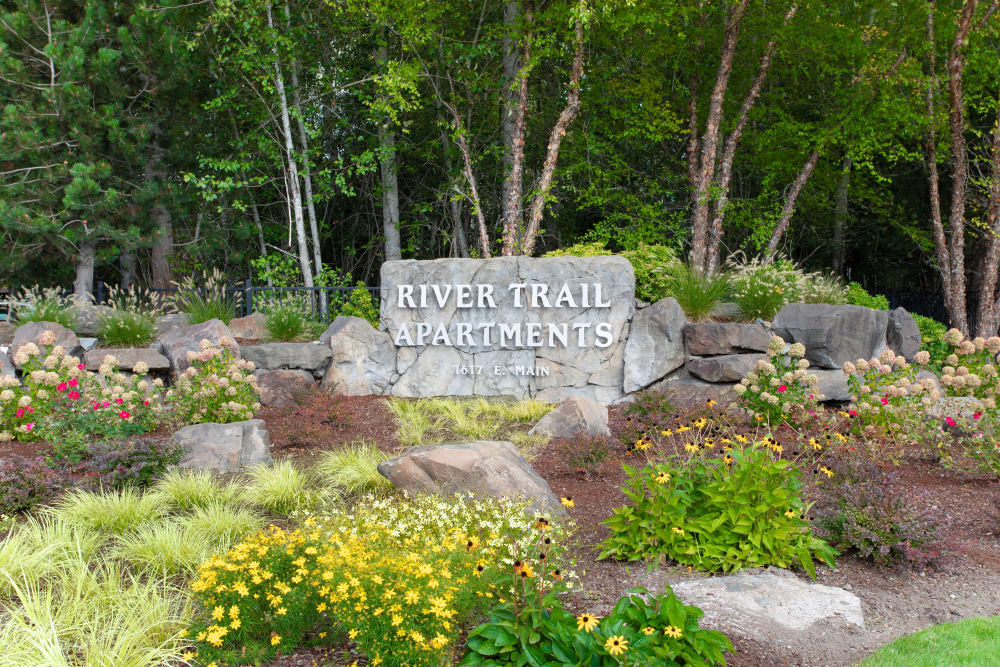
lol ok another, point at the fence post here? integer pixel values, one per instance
(247, 297)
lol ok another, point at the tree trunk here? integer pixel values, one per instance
(511, 209)
(163, 227)
(840, 216)
(460, 244)
(789, 208)
(515, 91)
(933, 179)
(292, 170)
(692, 153)
(127, 260)
(83, 286)
(390, 181)
(988, 314)
(721, 186)
(710, 139)
(470, 177)
(569, 112)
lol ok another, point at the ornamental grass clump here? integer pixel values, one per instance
(760, 289)
(131, 321)
(42, 304)
(283, 488)
(107, 512)
(204, 297)
(187, 490)
(354, 469)
(217, 388)
(780, 388)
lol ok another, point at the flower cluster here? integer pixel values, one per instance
(887, 391)
(971, 368)
(218, 387)
(779, 389)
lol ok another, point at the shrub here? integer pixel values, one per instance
(737, 511)
(204, 297)
(190, 489)
(642, 629)
(24, 483)
(971, 369)
(132, 320)
(286, 317)
(887, 393)
(860, 510)
(859, 296)
(108, 512)
(654, 267)
(136, 462)
(761, 289)
(283, 488)
(932, 339)
(779, 389)
(354, 469)
(217, 388)
(700, 296)
(42, 304)
(584, 249)
(360, 304)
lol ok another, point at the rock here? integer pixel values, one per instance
(573, 417)
(177, 342)
(723, 368)
(6, 365)
(771, 604)
(165, 323)
(31, 332)
(6, 332)
(363, 361)
(509, 365)
(224, 447)
(88, 317)
(487, 468)
(902, 333)
(708, 338)
(128, 358)
(833, 334)
(312, 357)
(655, 344)
(693, 393)
(954, 406)
(832, 384)
(252, 327)
(88, 343)
(278, 388)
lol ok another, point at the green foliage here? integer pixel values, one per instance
(932, 339)
(588, 249)
(360, 304)
(649, 629)
(187, 490)
(700, 296)
(218, 387)
(286, 317)
(970, 643)
(136, 462)
(127, 329)
(40, 304)
(204, 297)
(165, 547)
(824, 288)
(353, 469)
(715, 515)
(655, 268)
(859, 296)
(283, 488)
(436, 420)
(761, 289)
(108, 512)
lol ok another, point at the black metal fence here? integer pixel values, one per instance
(931, 304)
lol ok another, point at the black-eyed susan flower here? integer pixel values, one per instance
(673, 632)
(648, 631)
(586, 622)
(790, 514)
(662, 478)
(616, 645)
(567, 501)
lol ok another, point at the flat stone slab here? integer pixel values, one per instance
(692, 392)
(723, 368)
(574, 416)
(224, 447)
(707, 338)
(128, 358)
(312, 357)
(771, 603)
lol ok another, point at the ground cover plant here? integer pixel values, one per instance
(967, 643)
(203, 297)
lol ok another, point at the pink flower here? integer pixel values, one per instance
(19, 413)
(949, 421)
(811, 396)
(30, 410)
(782, 389)
(61, 387)
(28, 427)
(124, 415)
(852, 413)
(977, 415)
(145, 402)
(74, 396)
(104, 404)
(119, 401)
(81, 367)
(96, 406)
(73, 382)
(885, 401)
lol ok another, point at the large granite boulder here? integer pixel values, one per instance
(33, 332)
(499, 326)
(655, 344)
(128, 358)
(902, 334)
(6, 332)
(723, 368)
(165, 323)
(278, 388)
(693, 393)
(708, 338)
(6, 365)
(312, 357)
(363, 361)
(224, 447)
(833, 334)
(487, 468)
(88, 317)
(574, 416)
(177, 342)
(252, 327)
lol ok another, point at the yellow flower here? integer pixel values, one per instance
(321, 607)
(826, 471)
(691, 447)
(648, 631)
(527, 572)
(567, 501)
(275, 640)
(586, 622)
(353, 633)
(679, 531)
(235, 625)
(188, 656)
(790, 514)
(666, 432)
(673, 631)
(616, 645)
(662, 477)
(710, 403)
(218, 613)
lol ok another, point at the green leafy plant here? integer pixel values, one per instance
(132, 319)
(217, 388)
(824, 288)
(360, 304)
(761, 289)
(135, 462)
(700, 296)
(779, 389)
(654, 267)
(204, 297)
(642, 629)
(859, 296)
(286, 317)
(741, 510)
(932, 339)
(42, 304)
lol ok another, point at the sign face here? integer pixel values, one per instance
(518, 326)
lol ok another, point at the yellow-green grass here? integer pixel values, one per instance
(974, 642)
(353, 469)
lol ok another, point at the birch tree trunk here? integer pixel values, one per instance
(460, 244)
(292, 171)
(83, 286)
(988, 313)
(710, 139)
(515, 92)
(840, 215)
(789, 208)
(390, 181)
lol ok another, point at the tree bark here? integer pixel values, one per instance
(693, 154)
(470, 177)
(933, 178)
(840, 215)
(127, 259)
(390, 180)
(163, 228)
(511, 208)
(569, 112)
(730, 144)
(710, 139)
(460, 244)
(789, 208)
(292, 170)
(988, 313)
(83, 286)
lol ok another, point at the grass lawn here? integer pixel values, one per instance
(974, 641)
